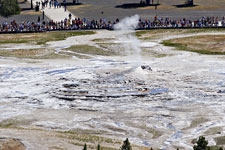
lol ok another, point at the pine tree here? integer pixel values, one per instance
(31, 5)
(9, 7)
(98, 148)
(126, 145)
(85, 147)
(190, 2)
(201, 144)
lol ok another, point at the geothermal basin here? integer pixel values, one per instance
(178, 99)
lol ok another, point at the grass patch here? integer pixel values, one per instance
(103, 40)
(76, 55)
(58, 36)
(32, 54)
(73, 135)
(178, 148)
(155, 133)
(176, 45)
(160, 55)
(57, 148)
(92, 146)
(40, 38)
(207, 44)
(87, 49)
(214, 130)
(14, 41)
(215, 147)
(220, 140)
(77, 143)
(13, 123)
(115, 129)
(33, 62)
(108, 148)
(154, 53)
(158, 33)
(197, 122)
(115, 48)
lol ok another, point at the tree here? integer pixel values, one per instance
(85, 147)
(31, 4)
(9, 7)
(201, 144)
(190, 2)
(98, 148)
(126, 145)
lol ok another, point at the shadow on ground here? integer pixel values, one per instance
(184, 5)
(71, 4)
(25, 9)
(23, 2)
(135, 5)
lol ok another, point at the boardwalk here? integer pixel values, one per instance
(55, 14)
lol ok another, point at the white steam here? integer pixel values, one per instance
(131, 44)
(128, 23)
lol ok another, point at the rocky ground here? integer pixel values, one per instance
(158, 97)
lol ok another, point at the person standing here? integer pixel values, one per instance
(64, 3)
(50, 3)
(43, 15)
(39, 19)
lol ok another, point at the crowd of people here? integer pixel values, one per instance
(79, 24)
(50, 3)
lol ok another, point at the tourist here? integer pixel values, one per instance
(79, 24)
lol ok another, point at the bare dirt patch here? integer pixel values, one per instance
(11, 144)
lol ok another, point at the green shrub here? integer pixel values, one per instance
(126, 145)
(85, 147)
(9, 7)
(201, 144)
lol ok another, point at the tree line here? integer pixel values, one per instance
(201, 144)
